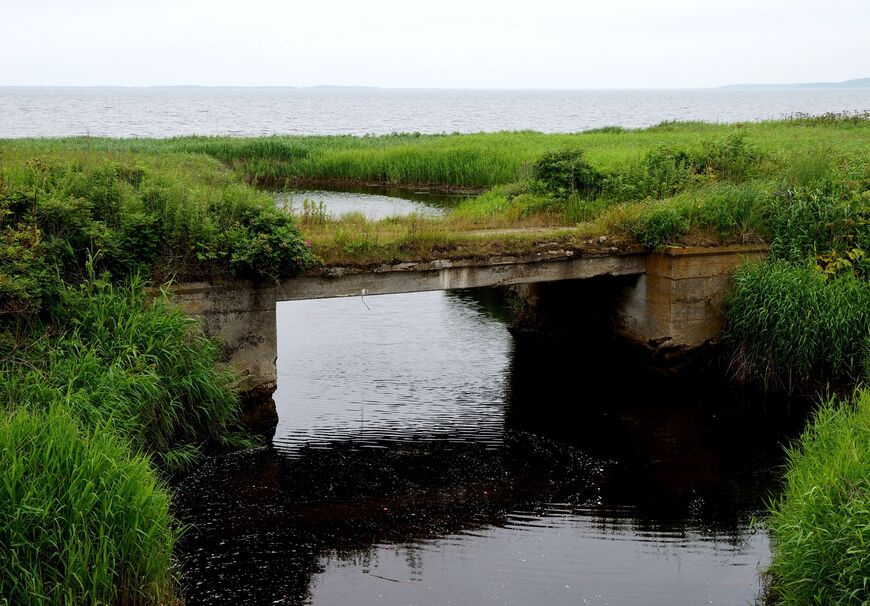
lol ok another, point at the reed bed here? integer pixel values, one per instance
(820, 523)
(83, 519)
(460, 160)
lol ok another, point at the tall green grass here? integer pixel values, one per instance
(116, 360)
(98, 397)
(821, 523)
(790, 326)
(82, 519)
(479, 160)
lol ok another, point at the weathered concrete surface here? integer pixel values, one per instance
(677, 305)
(242, 317)
(446, 275)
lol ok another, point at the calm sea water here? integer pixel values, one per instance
(165, 112)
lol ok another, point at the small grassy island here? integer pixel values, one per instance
(107, 391)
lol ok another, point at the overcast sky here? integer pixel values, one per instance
(433, 43)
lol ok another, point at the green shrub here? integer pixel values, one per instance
(728, 157)
(566, 172)
(823, 225)
(266, 242)
(665, 171)
(82, 519)
(788, 325)
(660, 224)
(135, 245)
(820, 524)
(25, 278)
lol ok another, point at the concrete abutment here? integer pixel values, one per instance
(672, 310)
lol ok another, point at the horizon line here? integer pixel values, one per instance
(816, 84)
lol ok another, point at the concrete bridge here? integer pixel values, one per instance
(666, 302)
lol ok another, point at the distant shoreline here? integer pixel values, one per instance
(854, 83)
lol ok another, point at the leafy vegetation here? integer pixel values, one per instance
(565, 172)
(821, 522)
(803, 318)
(793, 326)
(83, 520)
(184, 217)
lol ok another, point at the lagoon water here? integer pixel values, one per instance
(167, 112)
(370, 203)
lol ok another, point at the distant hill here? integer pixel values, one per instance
(856, 83)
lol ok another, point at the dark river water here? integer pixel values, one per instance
(426, 456)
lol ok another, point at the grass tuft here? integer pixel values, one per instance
(821, 523)
(82, 519)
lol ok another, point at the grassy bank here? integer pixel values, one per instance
(821, 523)
(677, 182)
(102, 397)
(104, 392)
(801, 322)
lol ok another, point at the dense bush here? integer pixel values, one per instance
(266, 242)
(664, 172)
(61, 214)
(565, 172)
(831, 227)
(82, 519)
(821, 523)
(729, 157)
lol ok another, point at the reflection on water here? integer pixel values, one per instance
(390, 368)
(425, 457)
(373, 206)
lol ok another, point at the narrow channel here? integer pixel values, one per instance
(424, 455)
